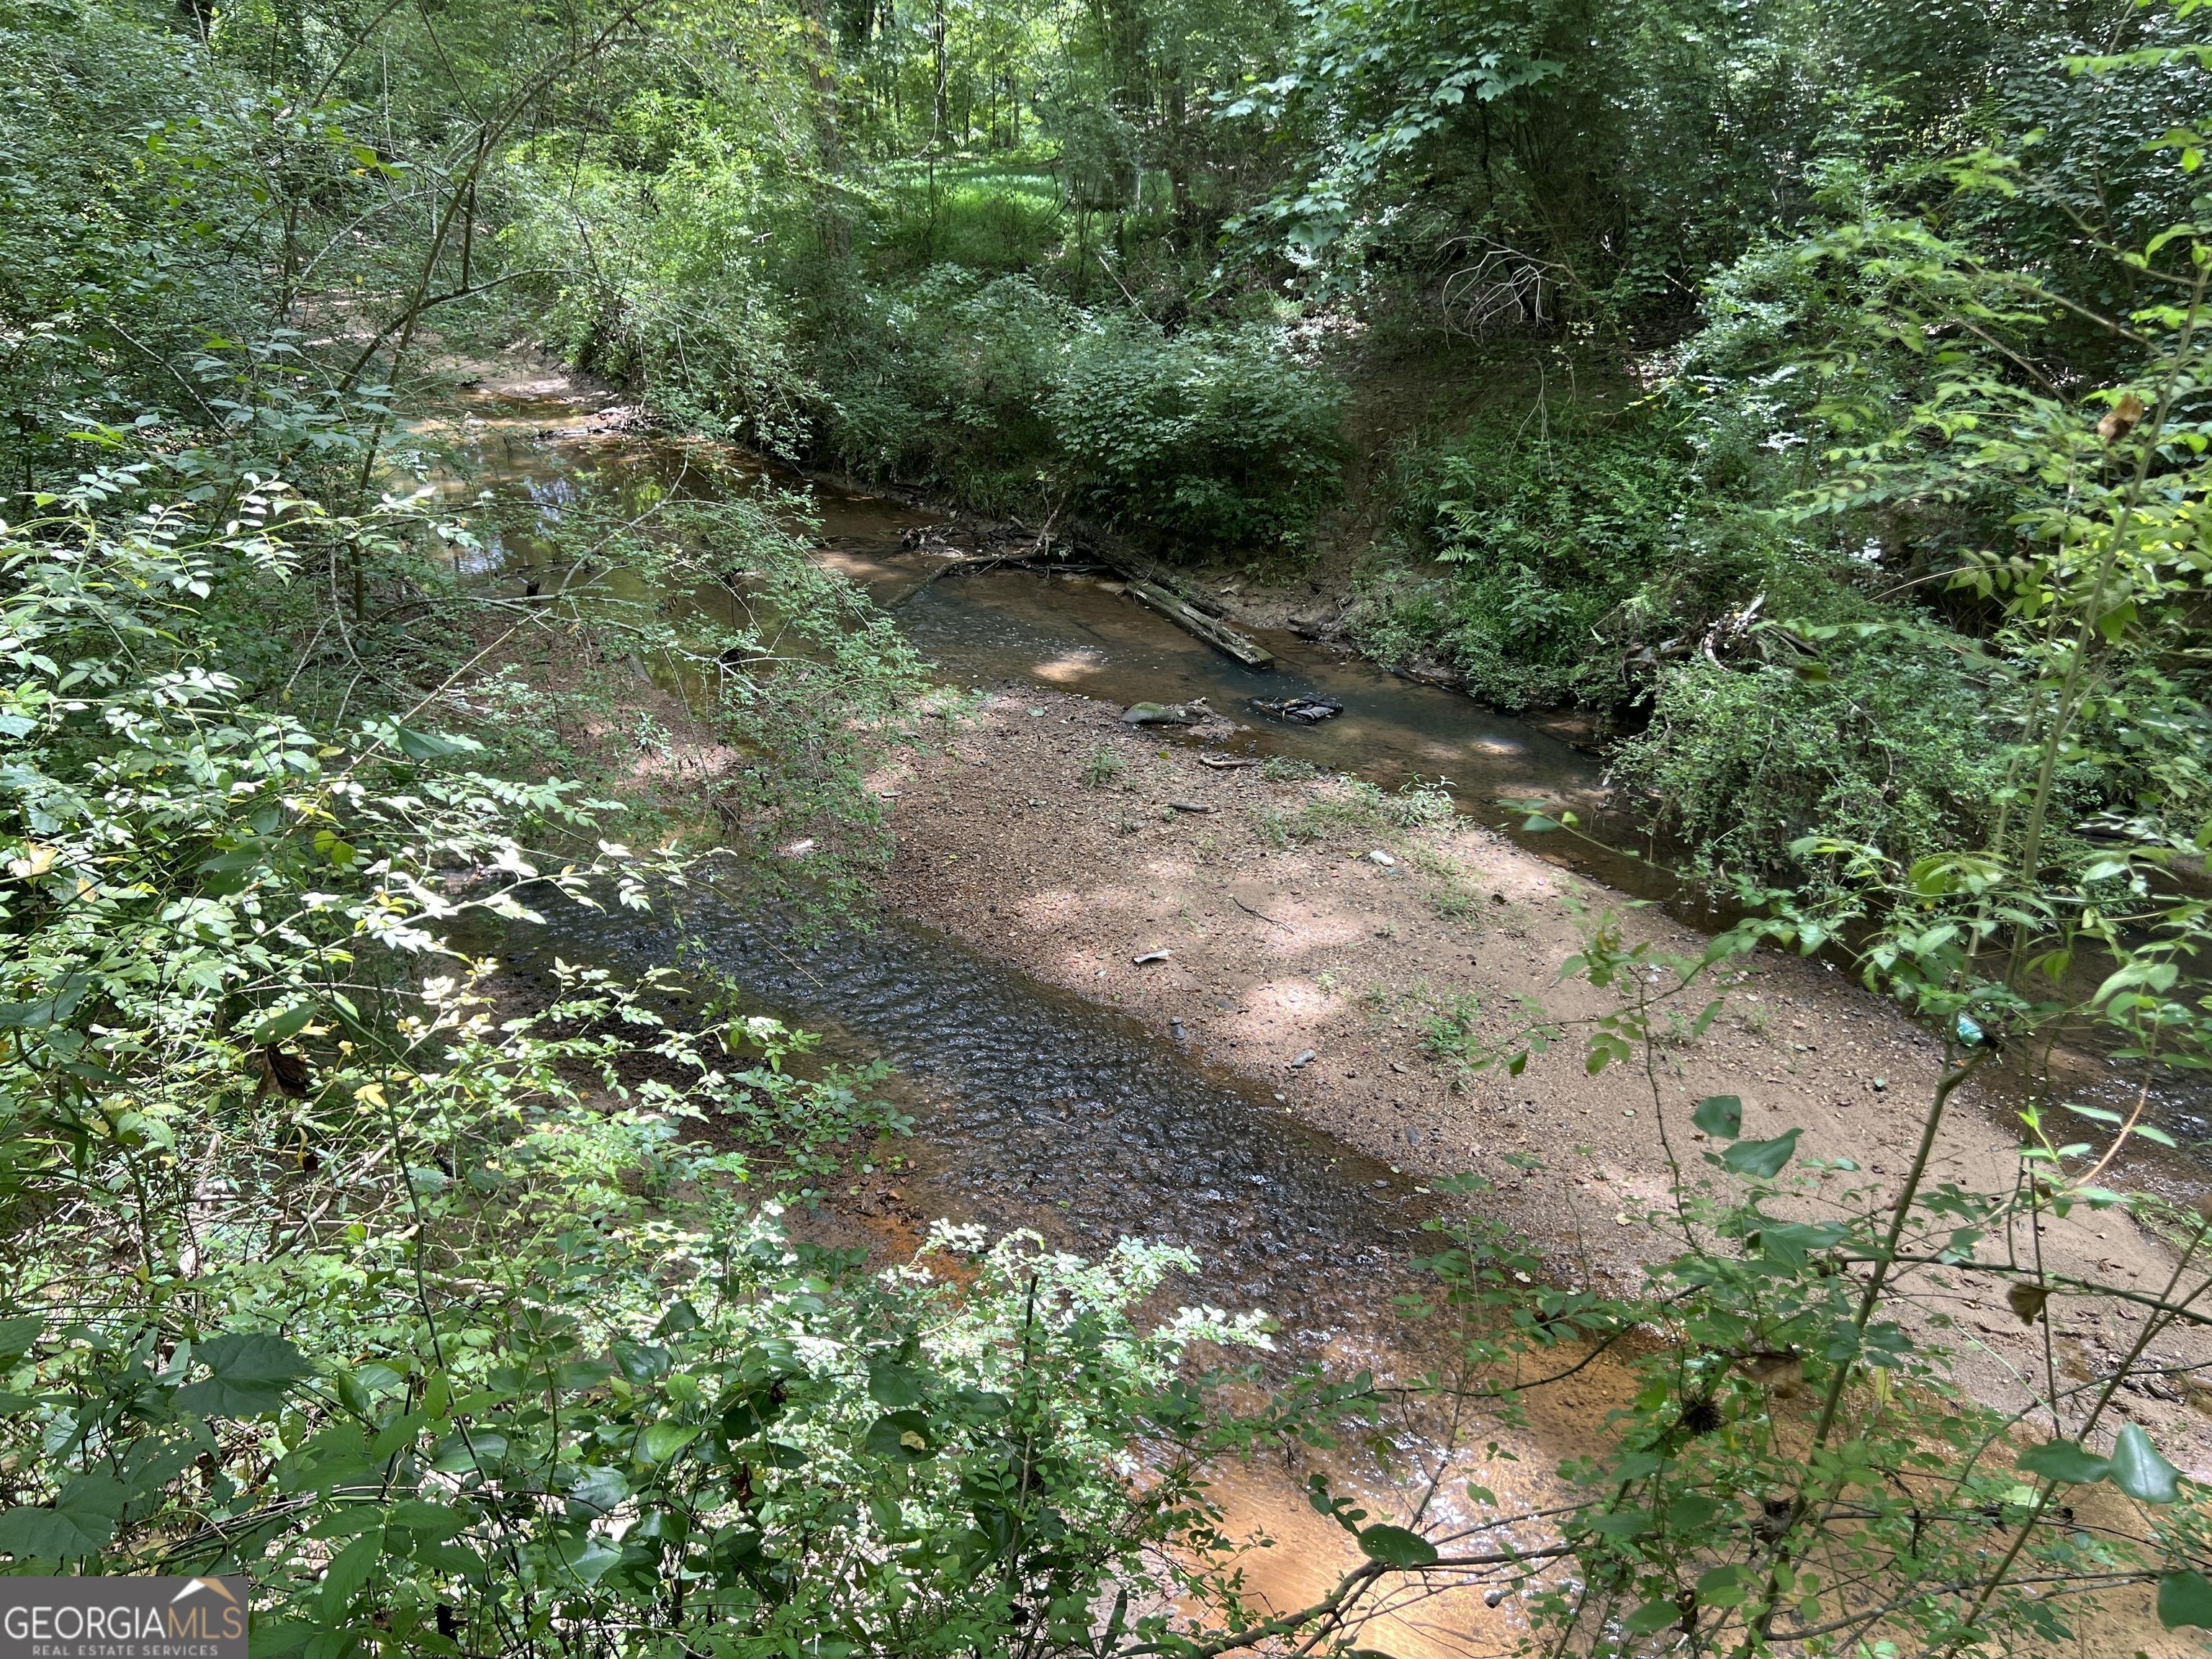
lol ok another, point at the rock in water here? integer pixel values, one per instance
(1307, 711)
(1167, 713)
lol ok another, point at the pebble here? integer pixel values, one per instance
(1383, 859)
(1306, 1056)
(1151, 956)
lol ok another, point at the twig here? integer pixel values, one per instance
(1262, 915)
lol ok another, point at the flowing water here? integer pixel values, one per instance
(1032, 1107)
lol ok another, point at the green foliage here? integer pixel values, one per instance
(1205, 439)
(1102, 765)
(1896, 748)
(671, 295)
(1555, 540)
(1449, 1033)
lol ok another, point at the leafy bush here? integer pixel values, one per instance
(1896, 749)
(1547, 540)
(1014, 400)
(944, 383)
(1212, 439)
(669, 293)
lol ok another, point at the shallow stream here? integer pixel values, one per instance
(1032, 1107)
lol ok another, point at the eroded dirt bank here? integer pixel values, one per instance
(1046, 834)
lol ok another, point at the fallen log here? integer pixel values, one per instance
(1186, 617)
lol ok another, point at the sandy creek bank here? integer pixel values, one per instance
(1279, 945)
(1065, 1094)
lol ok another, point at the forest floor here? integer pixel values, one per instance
(1285, 935)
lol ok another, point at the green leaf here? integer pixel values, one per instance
(1394, 1546)
(588, 1556)
(461, 1454)
(427, 1520)
(1720, 1116)
(2064, 1462)
(681, 1316)
(902, 1437)
(275, 1028)
(1787, 1242)
(664, 1440)
(2139, 1471)
(80, 1521)
(17, 1335)
(1622, 1523)
(577, 1375)
(1690, 1512)
(50, 1010)
(348, 1573)
(275, 1639)
(252, 1372)
(2184, 1598)
(1652, 1616)
(894, 1385)
(430, 745)
(1762, 1159)
(598, 1488)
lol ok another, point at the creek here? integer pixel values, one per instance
(1033, 1108)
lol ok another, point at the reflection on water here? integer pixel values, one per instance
(1073, 633)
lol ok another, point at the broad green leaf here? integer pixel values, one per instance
(2064, 1462)
(17, 1336)
(49, 1010)
(588, 1556)
(347, 1572)
(459, 1454)
(2139, 1471)
(275, 1028)
(1394, 1546)
(1650, 1617)
(1690, 1512)
(1720, 1116)
(681, 1316)
(251, 1374)
(894, 1385)
(1622, 1523)
(903, 1436)
(1787, 1242)
(80, 1522)
(2184, 1598)
(664, 1440)
(577, 1375)
(430, 745)
(1762, 1159)
(598, 1488)
(275, 1639)
(427, 1520)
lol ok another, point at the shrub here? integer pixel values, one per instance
(944, 384)
(1543, 542)
(1216, 439)
(1895, 748)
